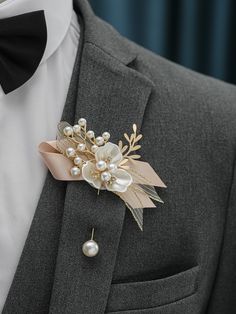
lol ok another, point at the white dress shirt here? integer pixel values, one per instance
(28, 116)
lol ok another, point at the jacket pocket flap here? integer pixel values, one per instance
(153, 293)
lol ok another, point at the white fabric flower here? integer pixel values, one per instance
(111, 177)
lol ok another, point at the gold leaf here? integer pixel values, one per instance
(125, 167)
(124, 148)
(135, 128)
(126, 137)
(132, 137)
(135, 156)
(136, 147)
(120, 144)
(124, 161)
(138, 138)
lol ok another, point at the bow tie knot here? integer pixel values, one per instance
(23, 41)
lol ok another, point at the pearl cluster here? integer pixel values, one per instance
(105, 170)
(90, 143)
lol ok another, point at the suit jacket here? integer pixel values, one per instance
(185, 259)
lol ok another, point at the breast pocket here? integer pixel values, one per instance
(152, 294)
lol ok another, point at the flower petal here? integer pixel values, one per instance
(109, 152)
(87, 172)
(122, 182)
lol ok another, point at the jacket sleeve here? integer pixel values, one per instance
(223, 297)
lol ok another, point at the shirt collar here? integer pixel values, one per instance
(58, 15)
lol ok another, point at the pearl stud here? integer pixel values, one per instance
(77, 128)
(75, 171)
(70, 152)
(99, 140)
(81, 147)
(68, 131)
(94, 148)
(101, 165)
(90, 134)
(112, 167)
(90, 248)
(82, 122)
(106, 136)
(105, 176)
(77, 161)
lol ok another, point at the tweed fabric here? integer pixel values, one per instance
(184, 260)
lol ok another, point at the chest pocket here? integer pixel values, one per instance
(145, 296)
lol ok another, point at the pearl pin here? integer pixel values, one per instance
(90, 248)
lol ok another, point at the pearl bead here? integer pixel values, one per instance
(77, 161)
(90, 134)
(82, 122)
(105, 176)
(99, 140)
(70, 152)
(90, 248)
(106, 136)
(68, 131)
(94, 148)
(76, 128)
(101, 165)
(81, 147)
(112, 167)
(75, 171)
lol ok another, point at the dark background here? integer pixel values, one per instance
(199, 34)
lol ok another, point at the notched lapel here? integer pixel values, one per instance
(111, 97)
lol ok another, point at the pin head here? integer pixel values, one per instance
(90, 248)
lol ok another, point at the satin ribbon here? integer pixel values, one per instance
(141, 172)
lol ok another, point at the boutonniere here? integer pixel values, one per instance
(77, 154)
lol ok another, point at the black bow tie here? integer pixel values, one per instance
(23, 40)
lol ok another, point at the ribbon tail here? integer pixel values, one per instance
(137, 214)
(143, 173)
(150, 191)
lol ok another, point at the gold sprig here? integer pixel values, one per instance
(128, 150)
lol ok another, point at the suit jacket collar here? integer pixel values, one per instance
(103, 35)
(53, 275)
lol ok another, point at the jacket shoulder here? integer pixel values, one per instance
(204, 99)
(197, 100)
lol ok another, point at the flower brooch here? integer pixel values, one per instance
(77, 154)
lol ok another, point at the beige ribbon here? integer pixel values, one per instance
(141, 172)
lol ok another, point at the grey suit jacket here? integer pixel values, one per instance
(185, 259)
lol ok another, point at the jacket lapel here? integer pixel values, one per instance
(111, 96)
